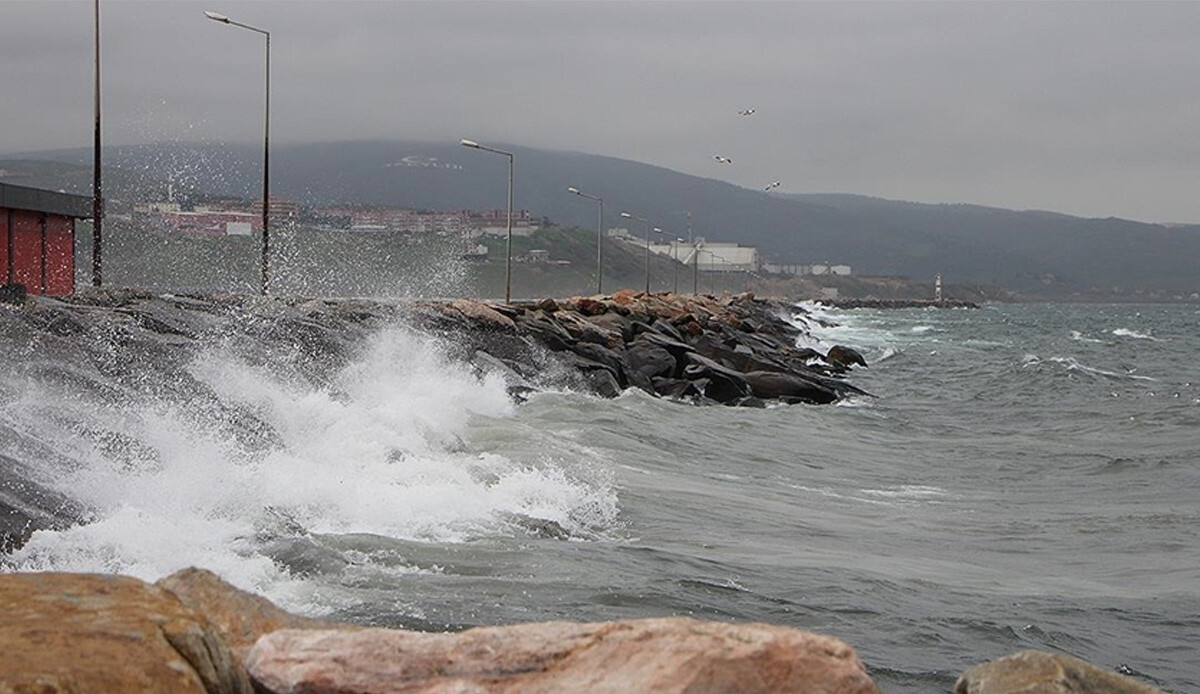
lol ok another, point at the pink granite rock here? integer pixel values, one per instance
(674, 655)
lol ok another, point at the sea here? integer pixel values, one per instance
(1021, 476)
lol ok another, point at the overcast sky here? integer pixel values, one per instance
(1089, 108)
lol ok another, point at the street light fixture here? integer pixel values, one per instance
(266, 231)
(508, 245)
(599, 232)
(647, 223)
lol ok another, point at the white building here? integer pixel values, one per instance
(825, 269)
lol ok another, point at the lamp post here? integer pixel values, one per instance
(97, 193)
(660, 232)
(508, 244)
(678, 243)
(647, 223)
(266, 230)
(599, 232)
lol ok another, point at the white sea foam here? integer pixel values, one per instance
(1126, 332)
(383, 449)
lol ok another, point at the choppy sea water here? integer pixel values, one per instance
(1026, 477)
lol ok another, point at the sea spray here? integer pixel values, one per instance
(381, 449)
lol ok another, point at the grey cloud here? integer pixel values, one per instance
(1086, 108)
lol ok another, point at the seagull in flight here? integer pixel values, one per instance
(746, 112)
(773, 184)
(723, 160)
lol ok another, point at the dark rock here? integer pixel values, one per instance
(650, 360)
(613, 322)
(605, 356)
(546, 331)
(724, 384)
(548, 305)
(844, 357)
(675, 347)
(772, 385)
(679, 387)
(667, 329)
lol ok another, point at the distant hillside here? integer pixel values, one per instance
(1039, 252)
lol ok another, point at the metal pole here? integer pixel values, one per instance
(97, 191)
(675, 290)
(599, 246)
(695, 258)
(266, 231)
(647, 257)
(508, 251)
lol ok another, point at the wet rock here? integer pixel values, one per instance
(601, 355)
(772, 385)
(26, 506)
(73, 633)
(482, 313)
(844, 357)
(546, 331)
(724, 385)
(651, 360)
(651, 656)
(1037, 672)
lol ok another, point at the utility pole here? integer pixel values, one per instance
(97, 193)
(695, 258)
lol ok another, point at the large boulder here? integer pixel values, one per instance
(772, 385)
(1037, 672)
(650, 656)
(843, 357)
(724, 385)
(239, 617)
(650, 360)
(74, 633)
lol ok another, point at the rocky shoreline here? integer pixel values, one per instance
(192, 633)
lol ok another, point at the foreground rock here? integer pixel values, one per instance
(662, 656)
(240, 618)
(75, 633)
(1035, 672)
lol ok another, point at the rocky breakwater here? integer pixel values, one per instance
(735, 350)
(192, 632)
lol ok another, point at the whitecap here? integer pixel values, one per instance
(1126, 332)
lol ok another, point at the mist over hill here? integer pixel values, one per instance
(1028, 251)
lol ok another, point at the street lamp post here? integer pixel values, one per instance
(678, 243)
(266, 230)
(599, 233)
(647, 223)
(508, 244)
(97, 193)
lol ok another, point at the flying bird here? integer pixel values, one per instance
(746, 112)
(723, 160)
(773, 184)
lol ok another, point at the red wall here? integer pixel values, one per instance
(43, 251)
(60, 255)
(4, 278)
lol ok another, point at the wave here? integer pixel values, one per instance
(1125, 332)
(1073, 364)
(382, 447)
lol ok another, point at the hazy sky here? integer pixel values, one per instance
(1088, 108)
